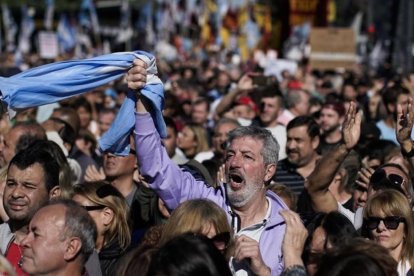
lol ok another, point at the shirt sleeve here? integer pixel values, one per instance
(171, 183)
(350, 215)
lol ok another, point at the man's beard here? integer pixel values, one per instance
(238, 199)
(331, 130)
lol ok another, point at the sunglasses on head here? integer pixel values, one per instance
(131, 151)
(391, 222)
(108, 190)
(380, 180)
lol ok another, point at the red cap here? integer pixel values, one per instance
(295, 84)
(245, 100)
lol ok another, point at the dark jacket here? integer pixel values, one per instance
(110, 256)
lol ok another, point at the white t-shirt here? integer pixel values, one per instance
(253, 231)
(356, 218)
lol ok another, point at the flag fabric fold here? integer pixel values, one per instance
(61, 80)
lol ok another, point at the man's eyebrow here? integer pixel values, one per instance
(34, 229)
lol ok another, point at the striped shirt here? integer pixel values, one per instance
(286, 174)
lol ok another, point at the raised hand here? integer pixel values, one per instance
(404, 125)
(137, 75)
(351, 128)
(294, 239)
(245, 84)
(92, 174)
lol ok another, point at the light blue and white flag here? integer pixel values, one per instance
(125, 31)
(10, 28)
(66, 34)
(50, 10)
(57, 81)
(27, 27)
(88, 16)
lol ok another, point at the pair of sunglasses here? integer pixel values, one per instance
(108, 190)
(221, 240)
(93, 208)
(391, 222)
(131, 151)
(102, 192)
(380, 180)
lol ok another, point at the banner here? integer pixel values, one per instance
(332, 48)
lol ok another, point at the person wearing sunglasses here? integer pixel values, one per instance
(390, 176)
(108, 208)
(388, 220)
(203, 217)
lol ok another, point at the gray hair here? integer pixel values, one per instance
(270, 149)
(225, 120)
(78, 223)
(294, 97)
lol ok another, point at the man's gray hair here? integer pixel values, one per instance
(78, 223)
(225, 120)
(294, 97)
(270, 150)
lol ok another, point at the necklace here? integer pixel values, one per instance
(20, 262)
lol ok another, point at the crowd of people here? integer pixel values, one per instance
(295, 173)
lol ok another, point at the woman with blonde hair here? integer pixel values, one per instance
(388, 220)
(199, 216)
(109, 209)
(192, 140)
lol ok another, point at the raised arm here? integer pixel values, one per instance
(405, 121)
(171, 183)
(244, 85)
(319, 180)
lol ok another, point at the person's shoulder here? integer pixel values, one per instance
(4, 228)
(204, 155)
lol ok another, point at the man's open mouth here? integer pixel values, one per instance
(236, 180)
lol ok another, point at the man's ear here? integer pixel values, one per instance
(73, 247)
(315, 142)
(55, 192)
(270, 171)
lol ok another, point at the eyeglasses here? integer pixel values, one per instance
(391, 222)
(221, 240)
(131, 151)
(93, 208)
(380, 180)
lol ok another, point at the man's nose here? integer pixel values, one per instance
(16, 192)
(363, 197)
(235, 161)
(26, 241)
